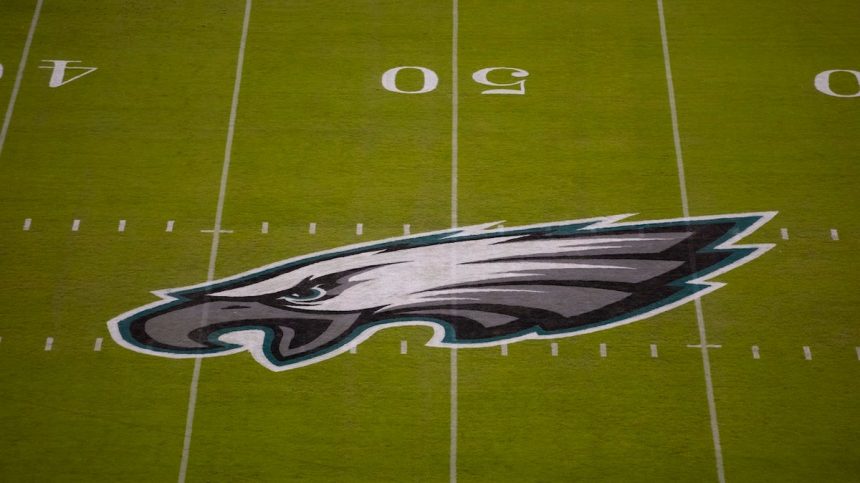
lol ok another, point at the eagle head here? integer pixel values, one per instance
(476, 286)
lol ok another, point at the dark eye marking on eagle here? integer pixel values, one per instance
(476, 286)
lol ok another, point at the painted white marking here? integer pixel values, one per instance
(455, 114)
(685, 207)
(353, 349)
(76, 225)
(59, 68)
(407, 229)
(121, 226)
(265, 228)
(481, 77)
(169, 228)
(216, 234)
(16, 87)
(755, 352)
(403, 347)
(707, 346)
(857, 350)
(312, 228)
(359, 229)
(822, 82)
(504, 348)
(834, 234)
(1, 340)
(654, 351)
(97, 347)
(807, 353)
(602, 349)
(553, 349)
(389, 80)
(49, 343)
(218, 230)
(783, 232)
(27, 224)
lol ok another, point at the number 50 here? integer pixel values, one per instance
(431, 80)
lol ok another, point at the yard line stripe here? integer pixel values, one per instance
(265, 228)
(49, 343)
(169, 228)
(553, 349)
(783, 232)
(654, 351)
(602, 349)
(20, 75)
(407, 229)
(455, 114)
(216, 234)
(504, 349)
(403, 347)
(76, 224)
(97, 347)
(755, 352)
(27, 223)
(312, 228)
(685, 207)
(807, 353)
(359, 229)
(834, 234)
(121, 227)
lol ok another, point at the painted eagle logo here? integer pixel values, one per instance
(476, 286)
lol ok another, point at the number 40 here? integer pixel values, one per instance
(431, 80)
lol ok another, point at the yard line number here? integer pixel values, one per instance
(822, 82)
(431, 80)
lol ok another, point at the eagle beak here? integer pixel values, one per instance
(194, 328)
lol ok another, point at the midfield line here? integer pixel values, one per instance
(20, 75)
(455, 115)
(216, 235)
(685, 206)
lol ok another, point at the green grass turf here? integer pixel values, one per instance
(319, 140)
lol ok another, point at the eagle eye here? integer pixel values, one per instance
(300, 295)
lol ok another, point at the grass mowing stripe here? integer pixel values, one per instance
(455, 114)
(20, 75)
(682, 182)
(216, 235)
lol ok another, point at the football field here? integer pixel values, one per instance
(149, 145)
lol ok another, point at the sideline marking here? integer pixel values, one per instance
(755, 352)
(121, 227)
(654, 351)
(49, 343)
(169, 228)
(834, 234)
(807, 353)
(353, 350)
(602, 349)
(685, 207)
(403, 347)
(407, 229)
(553, 349)
(27, 223)
(504, 349)
(76, 225)
(20, 75)
(312, 228)
(97, 347)
(216, 234)
(455, 114)
(359, 229)
(783, 232)
(265, 228)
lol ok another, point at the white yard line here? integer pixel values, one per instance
(76, 225)
(654, 353)
(312, 228)
(834, 234)
(404, 347)
(553, 349)
(216, 233)
(27, 223)
(755, 352)
(169, 227)
(49, 343)
(807, 353)
(359, 229)
(602, 349)
(121, 226)
(265, 228)
(455, 115)
(10, 109)
(685, 206)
